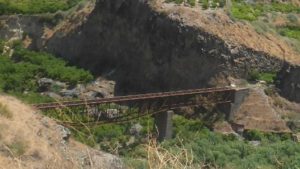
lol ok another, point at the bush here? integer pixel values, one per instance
(52, 67)
(35, 6)
(205, 4)
(5, 112)
(245, 11)
(250, 12)
(291, 32)
(2, 43)
(253, 135)
(21, 72)
(191, 2)
(292, 18)
(253, 75)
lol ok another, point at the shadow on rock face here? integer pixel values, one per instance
(146, 51)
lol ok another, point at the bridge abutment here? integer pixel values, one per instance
(163, 123)
(237, 99)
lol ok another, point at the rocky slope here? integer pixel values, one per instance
(257, 113)
(152, 45)
(145, 49)
(29, 140)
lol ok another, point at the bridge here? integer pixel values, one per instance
(159, 105)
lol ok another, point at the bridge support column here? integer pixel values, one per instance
(237, 99)
(163, 123)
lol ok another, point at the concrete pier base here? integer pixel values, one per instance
(237, 99)
(163, 124)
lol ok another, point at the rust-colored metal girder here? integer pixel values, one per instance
(120, 99)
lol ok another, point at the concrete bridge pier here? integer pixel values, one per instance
(163, 125)
(237, 99)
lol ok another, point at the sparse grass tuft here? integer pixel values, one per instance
(5, 112)
(17, 148)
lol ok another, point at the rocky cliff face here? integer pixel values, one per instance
(140, 48)
(289, 82)
(19, 27)
(145, 50)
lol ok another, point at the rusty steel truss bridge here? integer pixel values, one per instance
(125, 108)
(160, 105)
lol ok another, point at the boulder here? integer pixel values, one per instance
(65, 133)
(91, 95)
(136, 129)
(53, 95)
(69, 93)
(45, 84)
(112, 113)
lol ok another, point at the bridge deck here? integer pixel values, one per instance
(139, 97)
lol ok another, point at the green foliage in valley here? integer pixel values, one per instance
(35, 6)
(204, 146)
(268, 77)
(20, 72)
(245, 11)
(291, 32)
(221, 151)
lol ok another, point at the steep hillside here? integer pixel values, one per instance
(145, 49)
(29, 140)
(101, 48)
(156, 45)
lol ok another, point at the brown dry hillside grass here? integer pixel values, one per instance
(235, 33)
(29, 140)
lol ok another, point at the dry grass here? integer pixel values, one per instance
(17, 148)
(33, 141)
(237, 33)
(161, 158)
(4, 112)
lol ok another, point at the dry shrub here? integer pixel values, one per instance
(162, 158)
(5, 112)
(17, 148)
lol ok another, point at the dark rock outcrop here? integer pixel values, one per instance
(144, 50)
(289, 82)
(17, 27)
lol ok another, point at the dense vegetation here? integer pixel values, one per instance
(291, 32)
(268, 77)
(193, 145)
(20, 72)
(35, 6)
(203, 146)
(242, 10)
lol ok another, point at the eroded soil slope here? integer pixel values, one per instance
(29, 140)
